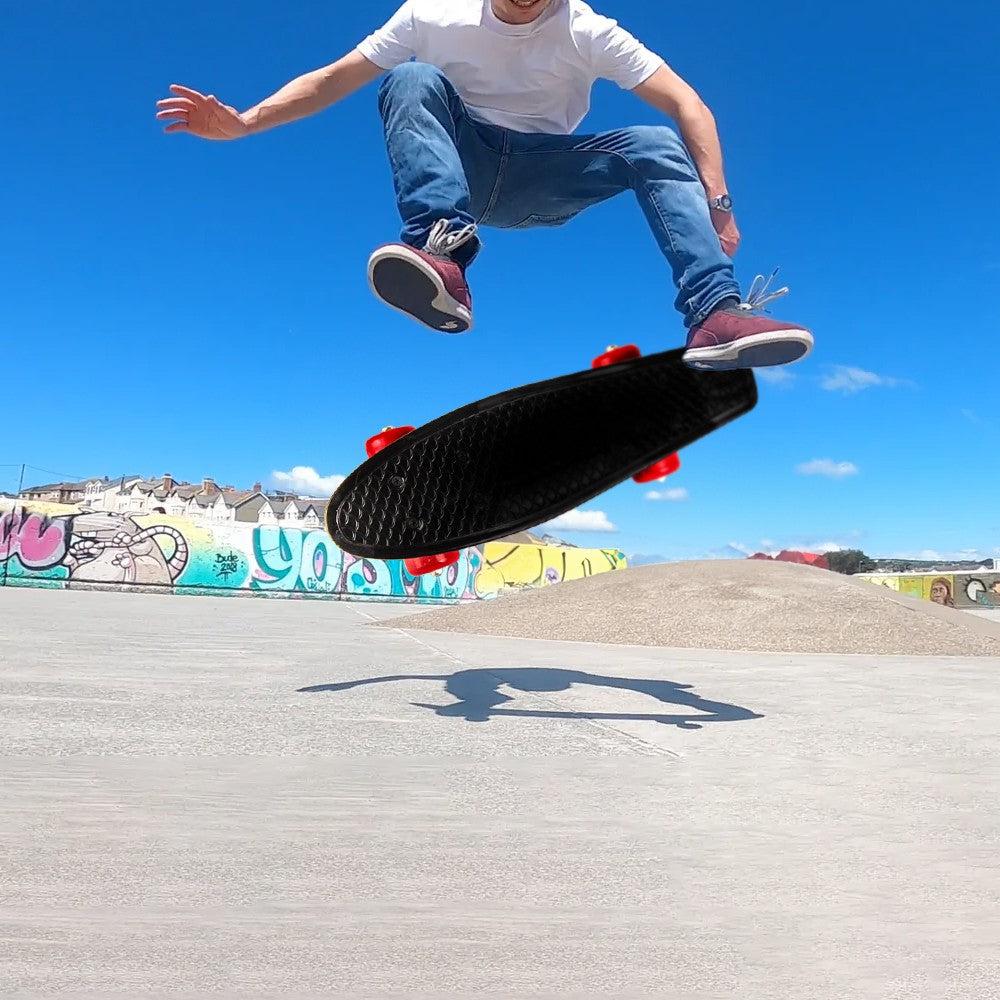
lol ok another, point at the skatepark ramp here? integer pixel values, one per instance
(727, 605)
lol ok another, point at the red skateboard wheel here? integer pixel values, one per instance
(616, 355)
(384, 438)
(423, 565)
(659, 470)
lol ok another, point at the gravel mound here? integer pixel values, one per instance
(726, 605)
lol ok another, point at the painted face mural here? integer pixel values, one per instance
(965, 591)
(941, 593)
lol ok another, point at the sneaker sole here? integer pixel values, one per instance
(404, 281)
(762, 350)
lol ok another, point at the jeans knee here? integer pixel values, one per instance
(659, 147)
(412, 81)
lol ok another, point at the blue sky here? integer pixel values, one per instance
(202, 309)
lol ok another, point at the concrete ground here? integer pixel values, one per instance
(205, 797)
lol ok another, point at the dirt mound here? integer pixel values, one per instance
(727, 605)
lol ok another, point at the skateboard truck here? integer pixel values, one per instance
(667, 466)
(421, 565)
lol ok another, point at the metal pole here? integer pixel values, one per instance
(6, 562)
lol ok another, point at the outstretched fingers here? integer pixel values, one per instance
(176, 103)
(194, 95)
(178, 109)
(187, 110)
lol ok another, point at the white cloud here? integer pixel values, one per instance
(672, 496)
(581, 520)
(304, 480)
(827, 467)
(971, 416)
(850, 380)
(771, 548)
(821, 547)
(775, 376)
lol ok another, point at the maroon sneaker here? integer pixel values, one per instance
(426, 284)
(733, 337)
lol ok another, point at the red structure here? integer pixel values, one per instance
(802, 558)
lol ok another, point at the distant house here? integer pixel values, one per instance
(63, 492)
(207, 501)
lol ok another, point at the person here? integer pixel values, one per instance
(481, 101)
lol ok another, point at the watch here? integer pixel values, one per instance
(722, 204)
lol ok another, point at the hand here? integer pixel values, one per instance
(196, 114)
(725, 226)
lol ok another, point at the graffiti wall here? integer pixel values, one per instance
(50, 545)
(507, 567)
(53, 545)
(967, 591)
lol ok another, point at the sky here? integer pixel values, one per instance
(202, 309)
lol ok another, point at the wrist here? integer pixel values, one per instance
(250, 119)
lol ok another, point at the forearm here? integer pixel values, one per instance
(312, 92)
(696, 124)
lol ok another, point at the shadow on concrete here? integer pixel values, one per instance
(479, 697)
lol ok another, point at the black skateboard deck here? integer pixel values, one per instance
(515, 460)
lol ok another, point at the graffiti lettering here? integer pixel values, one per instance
(289, 559)
(226, 565)
(58, 545)
(39, 541)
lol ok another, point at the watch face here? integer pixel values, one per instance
(725, 203)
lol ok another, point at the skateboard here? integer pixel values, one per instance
(518, 459)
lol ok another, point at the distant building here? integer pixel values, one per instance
(792, 556)
(60, 492)
(207, 501)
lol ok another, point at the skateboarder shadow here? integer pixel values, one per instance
(479, 697)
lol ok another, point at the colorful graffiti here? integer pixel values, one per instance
(96, 547)
(44, 544)
(53, 545)
(290, 560)
(508, 566)
(966, 591)
(37, 540)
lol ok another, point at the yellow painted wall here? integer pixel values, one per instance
(507, 566)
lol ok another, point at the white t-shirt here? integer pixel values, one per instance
(533, 77)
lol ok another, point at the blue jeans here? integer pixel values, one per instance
(448, 164)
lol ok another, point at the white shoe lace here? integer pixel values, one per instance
(441, 242)
(760, 294)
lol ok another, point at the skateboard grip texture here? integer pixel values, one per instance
(518, 459)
